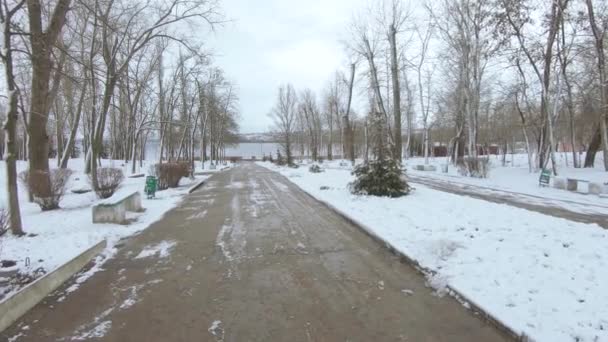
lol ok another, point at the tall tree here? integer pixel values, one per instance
(7, 13)
(395, 18)
(42, 40)
(599, 28)
(284, 115)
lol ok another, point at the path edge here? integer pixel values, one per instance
(19, 304)
(458, 295)
(197, 186)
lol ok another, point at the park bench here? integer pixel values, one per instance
(421, 167)
(572, 184)
(115, 208)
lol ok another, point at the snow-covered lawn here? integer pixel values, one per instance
(58, 236)
(538, 274)
(515, 177)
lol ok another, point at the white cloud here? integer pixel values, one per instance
(273, 42)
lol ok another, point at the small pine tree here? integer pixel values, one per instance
(379, 178)
(382, 176)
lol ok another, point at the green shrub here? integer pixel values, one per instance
(315, 168)
(379, 178)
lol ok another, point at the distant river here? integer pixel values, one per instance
(244, 150)
(248, 150)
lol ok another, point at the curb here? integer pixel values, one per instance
(471, 304)
(196, 186)
(17, 305)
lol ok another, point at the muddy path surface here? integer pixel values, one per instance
(250, 257)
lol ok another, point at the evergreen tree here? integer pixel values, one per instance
(381, 176)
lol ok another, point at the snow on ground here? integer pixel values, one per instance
(541, 275)
(60, 235)
(161, 249)
(515, 177)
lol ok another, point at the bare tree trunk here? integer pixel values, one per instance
(594, 146)
(426, 144)
(42, 41)
(72, 139)
(12, 115)
(374, 77)
(350, 134)
(397, 148)
(599, 35)
(330, 142)
(366, 132)
(11, 161)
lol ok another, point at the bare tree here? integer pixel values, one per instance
(599, 35)
(395, 19)
(143, 23)
(366, 44)
(7, 14)
(424, 89)
(514, 14)
(349, 133)
(284, 115)
(42, 41)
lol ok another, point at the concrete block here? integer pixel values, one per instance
(114, 210)
(430, 168)
(572, 185)
(596, 188)
(133, 203)
(17, 305)
(110, 213)
(559, 183)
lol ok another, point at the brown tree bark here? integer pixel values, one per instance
(599, 35)
(397, 148)
(348, 126)
(12, 115)
(594, 146)
(42, 42)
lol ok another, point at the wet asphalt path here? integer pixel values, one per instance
(253, 258)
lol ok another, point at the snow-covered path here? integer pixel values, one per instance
(250, 257)
(564, 208)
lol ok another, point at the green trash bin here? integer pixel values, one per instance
(545, 178)
(150, 188)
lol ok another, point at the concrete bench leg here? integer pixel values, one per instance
(572, 185)
(595, 188)
(559, 183)
(133, 203)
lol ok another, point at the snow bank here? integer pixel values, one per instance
(58, 236)
(516, 177)
(538, 274)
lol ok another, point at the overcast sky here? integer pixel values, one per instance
(272, 42)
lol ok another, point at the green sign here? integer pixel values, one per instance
(545, 177)
(150, 188)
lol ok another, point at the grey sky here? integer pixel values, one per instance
(272, 42)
